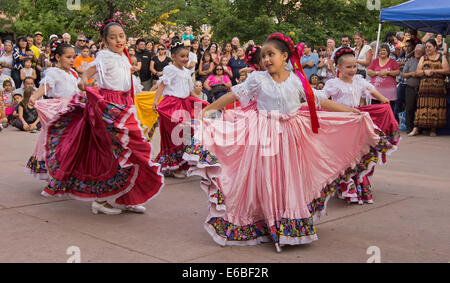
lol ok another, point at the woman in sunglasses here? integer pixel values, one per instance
(159, 62)
(217, 84)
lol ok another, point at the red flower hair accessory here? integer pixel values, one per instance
(251, 53)
(105, 23)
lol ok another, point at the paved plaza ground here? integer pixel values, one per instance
(409, 221)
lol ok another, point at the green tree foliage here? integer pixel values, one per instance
(305, 20)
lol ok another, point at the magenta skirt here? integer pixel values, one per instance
(96, 150)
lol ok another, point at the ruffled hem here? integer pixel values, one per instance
(131, 164)
(36, 168)
(358, 169)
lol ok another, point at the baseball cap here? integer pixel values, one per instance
(38, 33)
(53, 36)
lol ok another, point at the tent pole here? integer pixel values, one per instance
(378, 40)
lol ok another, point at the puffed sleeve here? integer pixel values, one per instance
(247, 90)
(365, 86)
(101, 64)
(50, 79)
(331, 89)
(169, 74)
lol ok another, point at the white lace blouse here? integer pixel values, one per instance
(177, 82)
(61, 83)
(349, 94)
(270, 95)
(113, 71)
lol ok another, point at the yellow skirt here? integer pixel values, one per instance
(145, 113)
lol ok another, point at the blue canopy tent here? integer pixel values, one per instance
(424, 15)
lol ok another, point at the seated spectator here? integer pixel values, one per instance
(314, 81)
(27, 83)
(4, 77)
(214, 51)
(227, 69)
(7, 97)
(320, 86)
(198, 91)
(217, 84)
(28, 117)
(243, 74)
(27, 70)
(94, 49)
(17, 99)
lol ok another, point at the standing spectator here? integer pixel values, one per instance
(205, 43)
(228, 51)
(144, 57)
(237, 63)
(235, 43)
(406, 55)
(345, 42)
(432, 102)
(188, 34)
(391, 40)
(442, 46)
(383, 72)
(38, 39)
(400, 37)
(94, 49)
(150, 47)
(213, 50)
(6, 58)
(322, 66)
(80, 44)
(331, 44)
(4, 77)
(36, 51)
(44, 61)
(309, 60)
(412, 85)
(27, 70)
(226, 69)
(67, 38)
(193, 60)
(81, 62)
(20, 52)
(206, 67)
(159, 62)
(363, 54)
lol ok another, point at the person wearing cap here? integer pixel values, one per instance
(53, 36)
(38, 38)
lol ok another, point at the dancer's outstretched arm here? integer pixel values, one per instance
(336, 107)
(86, 77)
(223, 102)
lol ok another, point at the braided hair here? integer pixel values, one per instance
(58, 47)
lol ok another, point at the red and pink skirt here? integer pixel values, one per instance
(96, 150)
(178, 148)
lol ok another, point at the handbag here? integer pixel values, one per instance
(216, 89)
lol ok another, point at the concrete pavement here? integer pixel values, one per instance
(409, 222)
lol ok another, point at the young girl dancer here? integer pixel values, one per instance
(278, 165)
(96, 150)
(354, 91)
(176, 109)
(60, 84)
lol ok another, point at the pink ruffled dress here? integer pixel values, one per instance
(62, 87)
(275, 175)
(356, 191)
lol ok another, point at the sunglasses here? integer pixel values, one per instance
(219, 69)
